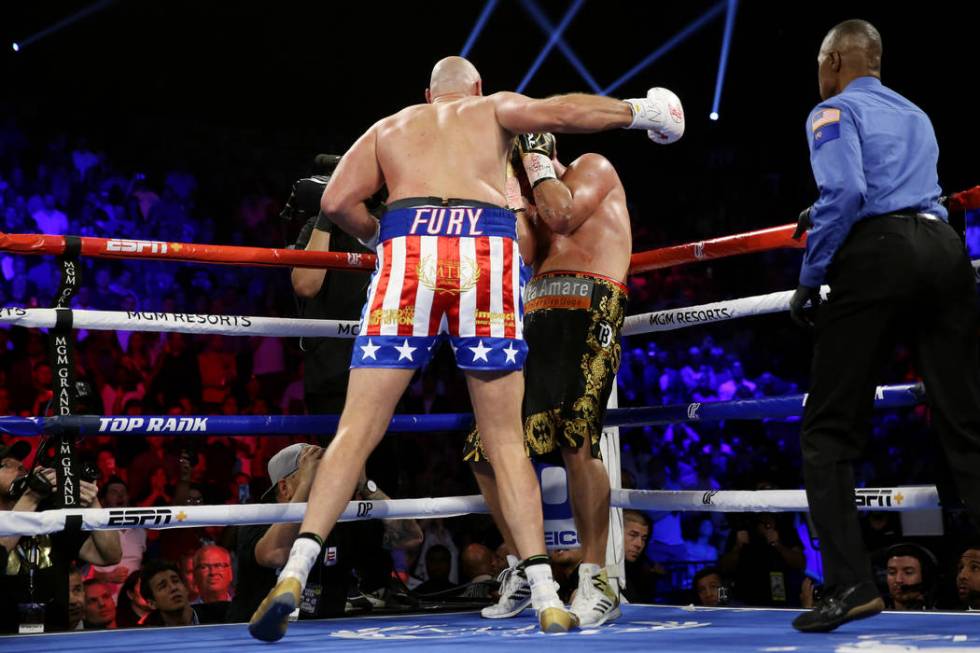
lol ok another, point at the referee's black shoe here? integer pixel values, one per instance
(840, 606)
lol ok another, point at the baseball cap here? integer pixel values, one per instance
(18, 450)
(284, 463)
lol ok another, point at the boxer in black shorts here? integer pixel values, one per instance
(577, 237)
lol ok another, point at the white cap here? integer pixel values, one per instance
(284, 463)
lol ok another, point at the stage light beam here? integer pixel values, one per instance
(726, 43)
(539, 17)
(481, 22)
(550, 45)
(672, 43)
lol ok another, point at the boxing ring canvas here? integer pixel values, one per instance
(641, 628)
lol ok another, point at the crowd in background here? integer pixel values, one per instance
(66, 186)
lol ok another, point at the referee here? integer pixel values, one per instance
(879, 238)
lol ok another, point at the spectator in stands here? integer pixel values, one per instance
(186, 565)
(438, 563)
(701, 549)
(480, 567)
(910, 570)
(47, 582)
(564, 569)
(100, 608)
(737, 387)
(158, 494)
(76, 599)
(132, 540)
(765, 559)
(144, 465)
(105, 460)
(358, 546)
(166, 594)
(131, 607)
(213, 573)
(968, 577)
(641, 576)
(707, 586)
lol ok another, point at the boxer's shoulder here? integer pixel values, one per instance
(593, 169)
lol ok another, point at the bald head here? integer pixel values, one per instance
(858, 43)
(453, 75)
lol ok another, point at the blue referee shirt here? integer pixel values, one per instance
(872, 152)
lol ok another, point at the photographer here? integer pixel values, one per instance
(355, 556)
(333, 295)
(37, 568)
(765, 559)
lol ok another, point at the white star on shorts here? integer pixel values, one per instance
(405, 351)
(511, 353)
(369, 350)
(480, 352)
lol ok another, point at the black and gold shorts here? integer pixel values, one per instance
(572, 326)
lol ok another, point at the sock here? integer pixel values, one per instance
(512, 561)
(587, 571)
(306, 549)
(538, 571)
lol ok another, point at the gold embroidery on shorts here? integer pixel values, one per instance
(453, 277)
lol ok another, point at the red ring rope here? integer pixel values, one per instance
(125, 248)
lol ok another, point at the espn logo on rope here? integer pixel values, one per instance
(124, 246)
(141, 517)
(865, 498)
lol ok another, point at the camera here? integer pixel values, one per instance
(304, 201)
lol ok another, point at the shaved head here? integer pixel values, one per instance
(453, 75)
(858, 43)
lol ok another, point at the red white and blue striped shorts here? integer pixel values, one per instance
(445, 270)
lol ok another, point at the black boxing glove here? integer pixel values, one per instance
(537, 151)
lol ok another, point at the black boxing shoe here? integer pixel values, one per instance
(840, 606)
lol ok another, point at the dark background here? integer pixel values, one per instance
(246, 92)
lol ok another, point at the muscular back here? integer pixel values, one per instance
(602, 242)
(448, 149)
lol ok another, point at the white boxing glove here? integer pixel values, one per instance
(372, 242)
(660, 113)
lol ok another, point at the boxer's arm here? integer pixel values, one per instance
(576, 113)
(589, 179)
(356, 179)
(526, 239)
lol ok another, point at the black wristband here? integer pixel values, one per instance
(323, 223)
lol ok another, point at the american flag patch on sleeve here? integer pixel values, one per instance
(825, 126)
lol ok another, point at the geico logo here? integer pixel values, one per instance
(560, 539)
(120, 245)
(140, 516)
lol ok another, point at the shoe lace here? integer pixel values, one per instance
(509, 579)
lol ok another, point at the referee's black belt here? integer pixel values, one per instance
(906, 214)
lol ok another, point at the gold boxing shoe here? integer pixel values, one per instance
(270, 621)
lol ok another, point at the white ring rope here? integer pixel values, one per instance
(37, 523)
(194, 323)
(681, 318)
(250, 325)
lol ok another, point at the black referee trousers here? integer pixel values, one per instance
(895, 277)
